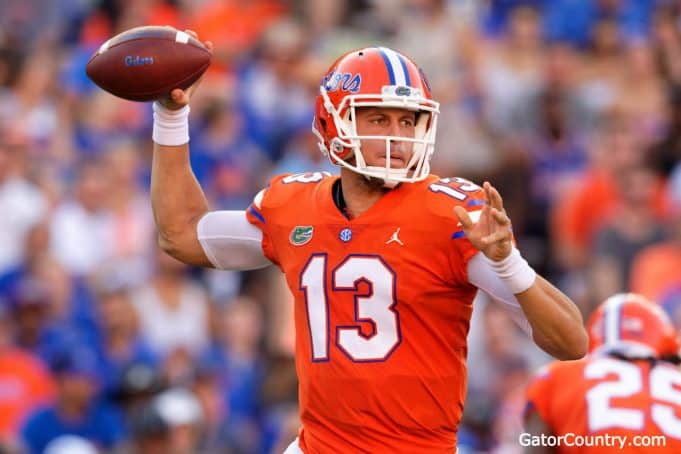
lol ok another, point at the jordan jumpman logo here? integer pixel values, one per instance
(395, 238)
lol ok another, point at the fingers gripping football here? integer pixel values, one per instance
(491, 234)
(179, 98)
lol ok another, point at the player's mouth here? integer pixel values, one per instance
(396, 161)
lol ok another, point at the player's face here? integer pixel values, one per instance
(380, 121)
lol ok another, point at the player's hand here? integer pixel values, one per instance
(179, 98)
(492, 233)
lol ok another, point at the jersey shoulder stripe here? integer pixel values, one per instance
(287, 188)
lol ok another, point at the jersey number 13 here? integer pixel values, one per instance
(376, 307)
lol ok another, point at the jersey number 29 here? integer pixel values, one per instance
(377, 307)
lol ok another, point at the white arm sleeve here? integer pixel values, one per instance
(231, 242)
(481, 274)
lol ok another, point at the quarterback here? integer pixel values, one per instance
(384, 260)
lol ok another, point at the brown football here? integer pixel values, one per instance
(146, 63)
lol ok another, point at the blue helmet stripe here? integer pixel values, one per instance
(403, 62)
(618, 322)
(613, 320)
(388, 65)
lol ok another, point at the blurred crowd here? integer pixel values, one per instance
(572, 108)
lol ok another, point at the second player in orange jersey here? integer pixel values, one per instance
(628, 388)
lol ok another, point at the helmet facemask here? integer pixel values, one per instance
(392, 96)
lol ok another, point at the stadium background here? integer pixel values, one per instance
(572, 108)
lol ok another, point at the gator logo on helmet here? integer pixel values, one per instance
(403, 91)
(342, 81)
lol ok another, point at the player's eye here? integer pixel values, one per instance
(408, 122)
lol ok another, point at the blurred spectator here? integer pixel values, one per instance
(656, 269)
(631, 227)
(70, 444)
(666, 38)
(667, 152)
(675, 188)
(21, 198)
(510, 73)
(25, 383)
(148, 12)
(30, 107)
(228, 163)
(642, 93)
(150, 432)
(26, 23)
(237, 363)
(286, 426)
(75, 411)
(498, 360)
(337, 27)
(72, 310)
(209, 389)
(557, 156)
(178, 367)
(303, 155)
(181, 412)
(172, 309)
(602, 71)
(466, 146)
(101, 120)
(82, 228)
(274, 97)
(137, 384)
(235, 26)
(580, 212)
(496, 14)
(449, 41)
(119, 343)
(132, 222)
(35, 247)
(574, 20)
(31, 306)
(46, 302)
(564, 77)
(514, 374)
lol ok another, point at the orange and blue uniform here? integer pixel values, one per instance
(382, 310)
(602, 395)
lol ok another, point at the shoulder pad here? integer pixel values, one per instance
(282, 188)
(446, 193)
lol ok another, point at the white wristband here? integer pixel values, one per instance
(515, 272)
(171, 127)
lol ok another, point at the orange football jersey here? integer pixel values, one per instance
(382, 310)
(602, 395)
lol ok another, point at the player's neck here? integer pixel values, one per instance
(359, 193)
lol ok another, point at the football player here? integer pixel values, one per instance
(628, 385)
(383, 260)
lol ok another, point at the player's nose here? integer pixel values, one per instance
(398, 148)
(395, 128)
